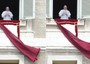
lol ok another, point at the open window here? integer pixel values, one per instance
(54, 6)
(58, 5)
(14, 7)
(21, 9)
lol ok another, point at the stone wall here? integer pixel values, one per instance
(39, 23)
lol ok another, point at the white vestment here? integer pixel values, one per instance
(7, 15)
(64, 14)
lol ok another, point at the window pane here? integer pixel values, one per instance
(28, 8)
(85, 8)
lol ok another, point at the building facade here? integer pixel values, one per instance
(38, 29)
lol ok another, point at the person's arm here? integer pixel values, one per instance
(11, 15)
(60, 13)
(69, 14)
(3, 14)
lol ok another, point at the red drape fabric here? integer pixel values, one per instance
(28, 51)
(82, 46)
(70, 21)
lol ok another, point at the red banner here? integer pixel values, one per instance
(28, 51)
(82, 46)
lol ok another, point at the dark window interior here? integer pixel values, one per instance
(14, 7)
(58, 5)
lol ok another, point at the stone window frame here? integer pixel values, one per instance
(51, 58)
(13, 57)
(79, 9)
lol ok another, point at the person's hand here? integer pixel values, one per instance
(65, 13)
(7, 15)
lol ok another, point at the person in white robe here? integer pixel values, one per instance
(64, 13)
(7, 14)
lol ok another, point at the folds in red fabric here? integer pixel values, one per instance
(28, 51)
(82, 46)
